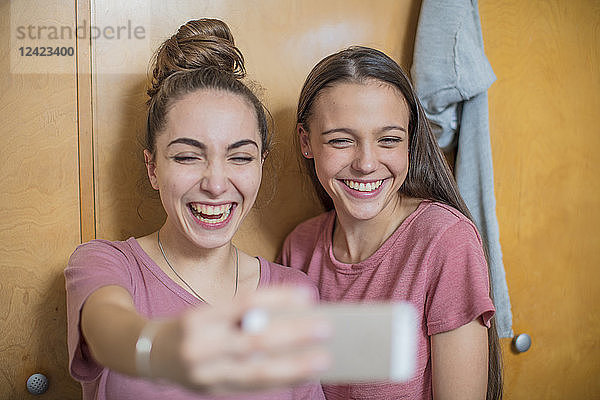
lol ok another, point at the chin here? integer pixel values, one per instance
(360, 213)
(212, 242)
(212, 238)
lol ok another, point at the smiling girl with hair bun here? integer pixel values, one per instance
(159, 316)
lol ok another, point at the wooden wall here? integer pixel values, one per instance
(39, 215)
(71, 165)
(545, 135)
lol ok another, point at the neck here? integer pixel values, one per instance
(356, 240)
(206, 284)
(186, 257)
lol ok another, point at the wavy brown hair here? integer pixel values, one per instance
(429, 176)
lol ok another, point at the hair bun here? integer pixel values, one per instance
(198, 44)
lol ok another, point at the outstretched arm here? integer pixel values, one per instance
(205, 349)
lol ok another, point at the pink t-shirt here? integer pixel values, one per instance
(434, 260)
(101, 263)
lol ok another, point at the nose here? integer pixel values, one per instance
(214, 181)
(365, 160)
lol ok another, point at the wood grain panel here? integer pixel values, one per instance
(39, 216)
(545, 141)
(281, 42)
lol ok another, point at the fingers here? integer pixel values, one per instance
(278, 319)
(206, 335)
(277, 298)
(279, 332)
(260, 372)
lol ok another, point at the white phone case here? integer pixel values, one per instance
(371, 342)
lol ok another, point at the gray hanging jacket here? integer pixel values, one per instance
(451, 75)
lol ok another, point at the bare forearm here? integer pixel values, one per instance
(112, 326)
(111, 329)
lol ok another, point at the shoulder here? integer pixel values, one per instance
(101, 263)
(455, 249)
(436, 219)
(104, 256)
(309, 230)
(279, 274)
(314, 224)
(103, 245)
(273, 274)
(100, 248)
(301, 243)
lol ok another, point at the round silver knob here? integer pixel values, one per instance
(37, 384)
(522, 342)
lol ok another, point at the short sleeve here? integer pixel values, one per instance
(458, 284)
(92, 266)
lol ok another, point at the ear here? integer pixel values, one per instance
(151, 169)
(304, 141)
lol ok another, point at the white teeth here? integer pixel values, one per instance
(363, 187)
(211, 210)
(201, 210)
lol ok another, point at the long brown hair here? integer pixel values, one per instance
(429, 176)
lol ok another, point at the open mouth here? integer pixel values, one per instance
(210, 214)
(363, 186)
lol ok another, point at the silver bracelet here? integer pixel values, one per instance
(143, 348)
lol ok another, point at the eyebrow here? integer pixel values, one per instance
(189, 142)
(351, 131)
(202, 146)
(242, 143)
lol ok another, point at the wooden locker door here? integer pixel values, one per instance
(545, 140)
(39, 213)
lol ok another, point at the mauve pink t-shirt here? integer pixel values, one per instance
(100, 263)
(434, 260)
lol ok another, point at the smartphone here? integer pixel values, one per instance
(370, 342)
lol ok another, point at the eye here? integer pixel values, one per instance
(242, 159)
(340, 143)
(184, 159)
(390, 141)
